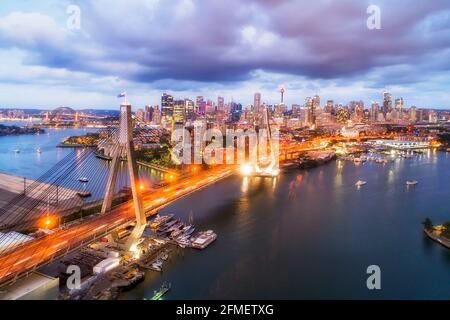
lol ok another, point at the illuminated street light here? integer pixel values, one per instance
(48, 222)
(246, 169)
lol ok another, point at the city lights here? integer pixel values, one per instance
(246, 169)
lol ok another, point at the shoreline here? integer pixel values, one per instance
(442, 241)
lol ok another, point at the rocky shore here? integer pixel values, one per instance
(14, 130)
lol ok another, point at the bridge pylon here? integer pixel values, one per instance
(125, 147)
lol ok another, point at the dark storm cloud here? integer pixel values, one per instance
(225, 41)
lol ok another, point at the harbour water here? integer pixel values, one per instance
(31, 164)
(312, 234)
(306, 234)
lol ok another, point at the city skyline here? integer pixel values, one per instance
(230, 50)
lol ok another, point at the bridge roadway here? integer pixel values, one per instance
(38, 252)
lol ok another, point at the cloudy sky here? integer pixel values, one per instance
(231, 48)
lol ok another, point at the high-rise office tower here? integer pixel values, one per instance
(413, 114)
(309, 107)
(399, 105)
(315, 108)
(374, 110)
(148, 114)
(329, 107)
(257, 102)
(189, 109)
(387, 102)
(139, 115)
(178, 111)
(156, 119)
(220, 104)
(200, 105)
(166, 105)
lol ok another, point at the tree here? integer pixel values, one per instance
(428, 224)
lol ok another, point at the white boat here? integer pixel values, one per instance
(183, 242)
(38, 150)
(360, 183)
(83, 179)
(411, 182)
(16, 150)
(157, 265)
(203, 239)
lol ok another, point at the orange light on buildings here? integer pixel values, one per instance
(48, 222)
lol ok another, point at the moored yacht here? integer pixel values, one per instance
(360, 183)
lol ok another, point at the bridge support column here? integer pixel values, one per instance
(125, 146)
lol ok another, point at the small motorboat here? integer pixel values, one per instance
(360, 183)
(38, 150)
(84, 194)
(83, 179)
(411, 182)
(16, 150)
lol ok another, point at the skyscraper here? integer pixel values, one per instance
(178, 111)
(220, 103)
(148, 114)
(329, 107)
(257, 102)
(166, 105)
(200, 105)
(139, 115)
(374, 110)
(387, 102)
(189, 109)
(413, 114)
(309, 107)
(156, 116)
(314, 105)
(399, 104)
